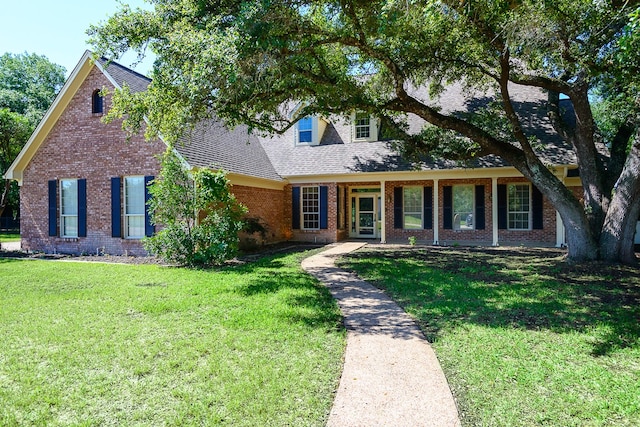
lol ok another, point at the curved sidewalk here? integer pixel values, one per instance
(391, 376)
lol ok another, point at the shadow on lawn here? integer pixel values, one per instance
(311, 304)
(519, 288)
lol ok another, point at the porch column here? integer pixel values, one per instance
(383, 213)
(436, 212)
(494, 210)
(560, 232)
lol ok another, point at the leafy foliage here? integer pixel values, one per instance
(254, 62)
(200, 217)
(28, 85)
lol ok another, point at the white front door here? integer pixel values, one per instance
(365, 215)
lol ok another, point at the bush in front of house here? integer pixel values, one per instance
(200, 218)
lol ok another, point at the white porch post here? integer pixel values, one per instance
(383, 213)
(560, 232)
(436, 212)
(494, 210)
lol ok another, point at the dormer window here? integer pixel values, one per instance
(364, 127)
(96, 102)
(309, 130)
(305, 130)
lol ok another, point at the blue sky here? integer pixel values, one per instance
(57, 29)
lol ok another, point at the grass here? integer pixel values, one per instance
(101, 344)
(524, 338)
(8, 236)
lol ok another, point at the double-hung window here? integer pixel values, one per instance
(134, 207)
(310, 208)
(412, 207)
(363, 126)
(519, 206)
(305, 130)
(69, 207)
(463, 207)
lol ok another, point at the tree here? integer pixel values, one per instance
(247, 60)
(14, 132)
(28, 85)
(200, 218)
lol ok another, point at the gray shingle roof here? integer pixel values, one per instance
(334, 155)
(123, 75)
(211, 144)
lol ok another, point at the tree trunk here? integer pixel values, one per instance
(582, 245)
(616, 239)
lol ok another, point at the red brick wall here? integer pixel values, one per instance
(330, 234)
(546, 236)
(267, 206)
(81, 146)
(401, 235)
(481, 237)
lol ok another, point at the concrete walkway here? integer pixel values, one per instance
(391, 376)
(10, 246)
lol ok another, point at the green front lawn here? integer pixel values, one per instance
(524, 339)
(6, 236)
(104, 344)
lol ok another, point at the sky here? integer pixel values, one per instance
(57, 29)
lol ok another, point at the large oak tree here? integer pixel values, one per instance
(244, 60)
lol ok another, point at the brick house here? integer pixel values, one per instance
(324, 180)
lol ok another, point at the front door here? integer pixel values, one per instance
(366, 215)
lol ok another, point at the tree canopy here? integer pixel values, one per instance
(249, 61)
(28, 85)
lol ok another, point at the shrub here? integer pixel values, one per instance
(200, 217)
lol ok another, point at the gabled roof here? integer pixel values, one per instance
(120, 76)
(211, 144)
(335, 155)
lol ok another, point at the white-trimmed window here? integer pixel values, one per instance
(519, 206)
(305, 130)
(412, 207)
(463, 207)
(365, 127)
(134, 207)
(69, 207)
(310, 208)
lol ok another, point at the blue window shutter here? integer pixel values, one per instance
(295, 208)
(537, 222)
(447, 207)
(149, 228)
(82, 208)
(502, 206)
(324, 207)
(53, 211)
(479, 220)
(427, 201)
(116, 208)
(397, 207)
